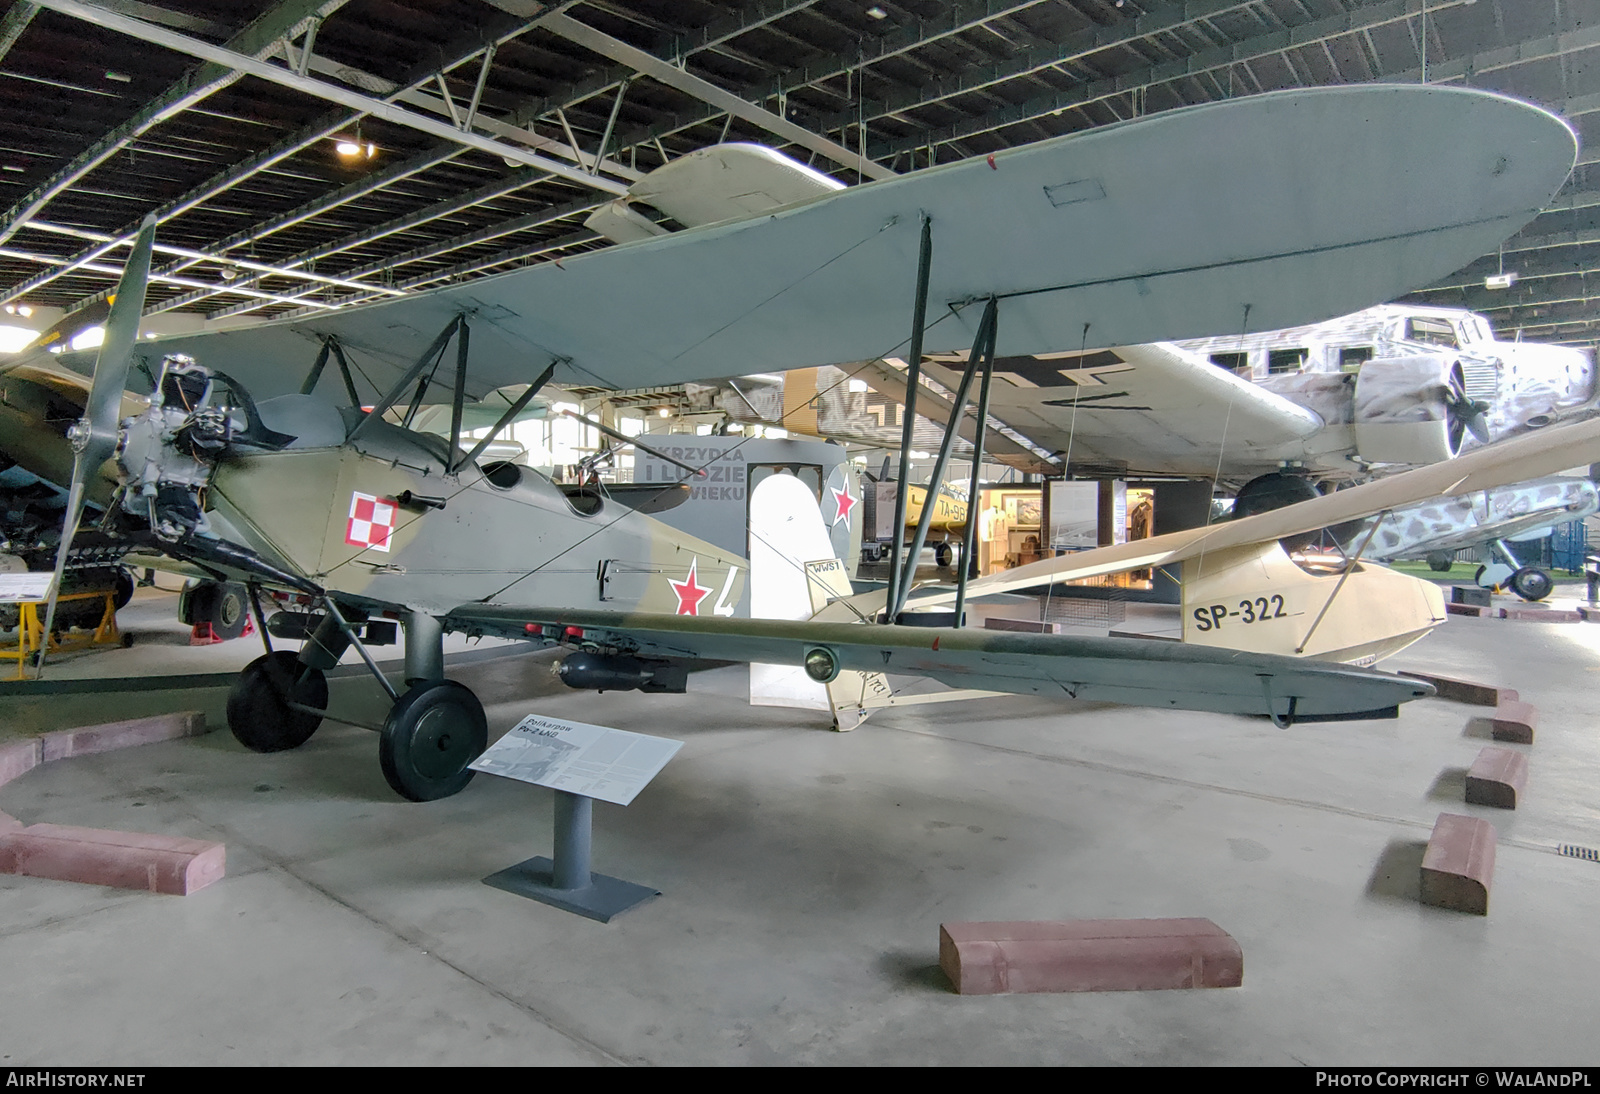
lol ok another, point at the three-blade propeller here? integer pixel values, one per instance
(94, 437)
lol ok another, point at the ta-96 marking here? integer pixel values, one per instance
(1210, 617)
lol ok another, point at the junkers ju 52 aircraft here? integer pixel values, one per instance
(1290, 206)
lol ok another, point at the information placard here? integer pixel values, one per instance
(594, 761)
(23, 588)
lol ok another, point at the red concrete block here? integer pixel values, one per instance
(126, 860)
(1475, 611)
(1544, 615)
(1459, 864)
(1029, 626)
(1514, 722)
(1589, 612)
(1089, 955)
(114, 735)
(8, 823)
(19, 758)
(1496, 778)
(1465, 691)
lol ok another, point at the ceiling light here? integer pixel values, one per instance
(12, 167)
(89, 338)
(228, 273)
(1500, 281)
(347, 148)
(14, 339)
(877, 13)
(664, 412)
(119, 77)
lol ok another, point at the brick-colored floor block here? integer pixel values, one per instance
(126, 860)
(1089, 955)
(88, 740)
(1459, 864)
(1465, 691)
(1497, 778)
(1545, 615)
(1515, 722)
(18, 758)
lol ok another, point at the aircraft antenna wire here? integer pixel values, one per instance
(1227, 417)
(891, 351)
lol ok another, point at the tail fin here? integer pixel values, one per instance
(794, 573)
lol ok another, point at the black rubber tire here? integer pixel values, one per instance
(1265, 493)
(124, 590)
(226, 606)
(1440, 565)
(1531, 583)
(942, 554)
(258, 714)
(429, 738)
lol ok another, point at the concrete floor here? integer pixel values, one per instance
(805, 874)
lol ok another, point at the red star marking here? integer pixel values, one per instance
(844, 502)
(689, 591)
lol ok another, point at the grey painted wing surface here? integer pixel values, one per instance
(1153, 407)
(1139, 672)
(1299, 205)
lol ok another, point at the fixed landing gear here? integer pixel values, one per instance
(433, 731)
(1528, 582)
(259, 711)
(431, 735)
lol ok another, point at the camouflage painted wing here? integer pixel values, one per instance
(1138, 672)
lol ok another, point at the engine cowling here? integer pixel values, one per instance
(1403, 410)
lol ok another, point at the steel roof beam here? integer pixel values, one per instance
(497, 189)
(680, 79)
(116, 271)
(354, 100)
(15, 22)
(325, 126)
(523, 223)
(199, 256)
(256, 40)
(1236, 53)
(1159, 19)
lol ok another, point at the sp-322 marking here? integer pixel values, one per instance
(1210, 617)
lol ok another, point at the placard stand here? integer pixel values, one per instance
(567, 882)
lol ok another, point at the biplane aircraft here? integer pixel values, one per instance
(1290, 206)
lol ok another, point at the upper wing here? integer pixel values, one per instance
(1140, 672)
(1247, 214)
(1152, 407)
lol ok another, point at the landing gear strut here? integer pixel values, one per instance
(259, 710)
(436, 728)
(432, 733)
(1528, 582)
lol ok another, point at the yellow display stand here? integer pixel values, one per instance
(31, 636)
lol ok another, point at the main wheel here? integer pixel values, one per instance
(1440, 561)
(258, 712)
(1531, 583)
(1265, 493)
(429, 738)
(224, 606)
(941, 554)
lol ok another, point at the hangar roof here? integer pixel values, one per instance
(477, 124)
